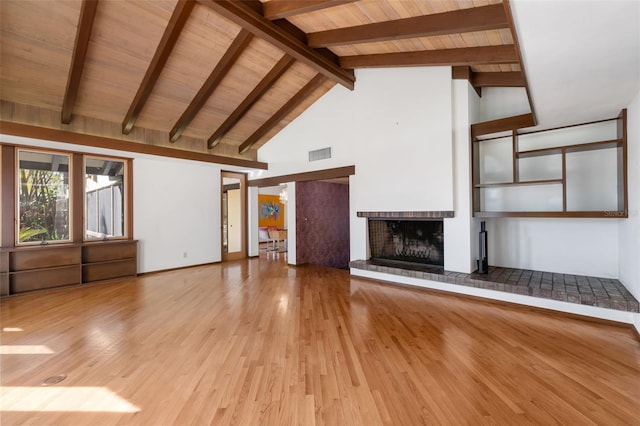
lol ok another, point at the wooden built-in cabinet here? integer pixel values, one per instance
(4, 273)
(572, 171)
(103, 261)
(25, 269)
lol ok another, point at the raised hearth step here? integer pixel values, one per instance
(583, 290)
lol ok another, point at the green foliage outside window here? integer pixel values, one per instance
(44, 206)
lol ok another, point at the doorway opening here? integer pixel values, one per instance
(272, 219)
(316, 205)
(234, 220)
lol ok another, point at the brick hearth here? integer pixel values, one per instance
(579, 289)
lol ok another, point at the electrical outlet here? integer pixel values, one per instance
(184, 254)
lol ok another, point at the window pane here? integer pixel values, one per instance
(44, 197)
(104, 198)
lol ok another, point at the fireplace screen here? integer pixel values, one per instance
(416, 241)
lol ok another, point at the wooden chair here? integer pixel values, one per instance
(264, 238)
(277, 236)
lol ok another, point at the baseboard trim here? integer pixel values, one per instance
(142, 274)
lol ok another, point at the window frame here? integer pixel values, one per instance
(10, 194)
(125, 204)
(16, 201)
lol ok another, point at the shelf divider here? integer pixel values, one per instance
(590, 146)
(514, 152)
(558, 213)
(564, 179)
(520, 183)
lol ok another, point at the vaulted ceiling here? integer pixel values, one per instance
(223, 77)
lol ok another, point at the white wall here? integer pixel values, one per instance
(501, 102)
(176, 210)
(176, 206)
(395, 127)
(404, 150)
(460, 250)
(270, 190)
(252, 221)
(629, 251)
(291, 225)
(571, 246)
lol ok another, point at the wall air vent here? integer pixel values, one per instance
(320, 154)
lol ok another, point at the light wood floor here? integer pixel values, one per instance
(258, 343)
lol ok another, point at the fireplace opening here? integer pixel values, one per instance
(407, 241)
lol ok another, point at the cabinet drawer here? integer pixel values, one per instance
(4, 262)
(21, 282)
(109, 270)
(4, 284)
(45, 257)
(108, 251)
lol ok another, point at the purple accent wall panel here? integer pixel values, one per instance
(322, 221)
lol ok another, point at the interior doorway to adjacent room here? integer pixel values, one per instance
(272, 219)
(234, 220)
(316, 216)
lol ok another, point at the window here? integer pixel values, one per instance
(104, 198)
(63, 197)
(43, 192)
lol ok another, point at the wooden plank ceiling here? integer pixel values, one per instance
(223, 77)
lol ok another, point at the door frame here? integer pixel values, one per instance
(242, 254)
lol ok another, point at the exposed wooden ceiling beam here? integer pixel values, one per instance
(282, 9)
(248, 18)
(461, 72)
(497, 79)
(488, 79)
(291, 104)
(276, 72)
(222, 68)
(167, 42)
(504, 54)
(459, 21)
(338, 172)
(28, 131)
(302, 36)
(464, 72)
(502, 124)
(85, 24)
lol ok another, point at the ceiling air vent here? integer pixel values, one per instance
(320, 154)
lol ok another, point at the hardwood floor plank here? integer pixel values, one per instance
(258, 342)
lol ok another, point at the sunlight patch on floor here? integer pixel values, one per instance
(12, 329)
(25, 350)
(75, 399)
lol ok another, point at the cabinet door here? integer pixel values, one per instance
(108, 270)
(45, 257)
(4, 284)
(38, 279)
(102, 252)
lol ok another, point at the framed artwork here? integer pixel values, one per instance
(270, 211)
